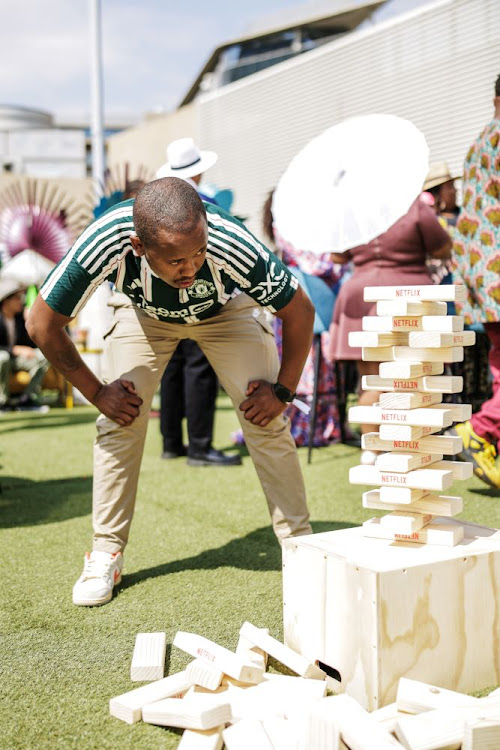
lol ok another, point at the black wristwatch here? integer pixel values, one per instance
(283, 393)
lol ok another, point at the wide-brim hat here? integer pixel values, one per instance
(438, 174)
(185, 159)
(8, 287)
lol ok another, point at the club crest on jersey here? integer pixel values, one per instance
(201, 288)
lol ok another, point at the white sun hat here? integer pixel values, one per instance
(186, 160)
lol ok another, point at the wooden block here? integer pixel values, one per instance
(443, 728)
(448, 445)
(218, 656)
(439, 323)
(404, 462)
(405, 522)
(387, 716)
(460, 469)
(401, 495)
(434, 533)
(481, 734)
(428, 384)
(428, 416)
(407, 307)
(247, 734)
(148, 659)
(414, 697)
(318, 728)
(199, 739)
(278, 696)
(404, 433)
(408, 400)
(282, 733)
(195, 712)
(437, 505)
(459, 412)
(294, 661)
(409, 369)
(204, 674)
(430, 292)
(443, 324)
(248, 652)
(422, 479)
(377, 353)
(377, 339)
(435, 340)
(428, 354)
(358, 729)
(128, 707)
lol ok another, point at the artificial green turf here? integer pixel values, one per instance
(201, 558)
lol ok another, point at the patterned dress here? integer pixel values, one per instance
(476, 246)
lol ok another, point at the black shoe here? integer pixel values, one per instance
(213, 457)
(175, 454)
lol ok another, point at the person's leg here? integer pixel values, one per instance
(200, 394)
(36, 366)
(172, 392)
(367, 398)
(240, 346)
(136, 348)
(5, 370)
(486, 422)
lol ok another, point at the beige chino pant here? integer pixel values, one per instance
(240, 346)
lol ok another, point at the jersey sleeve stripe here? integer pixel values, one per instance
(230, 270)
(94, 229)
(230, 256)
(98, 280)
(111, 250)
(229, 228)
(100, 244)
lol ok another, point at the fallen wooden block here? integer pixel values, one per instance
(448, 445)
(218, 656)
(434, 533)
(318, 728)
(248, 652)
(290, 695)
(148, 659)
(428, 384)
(405, 522)
(414, 697)
(291, 659)
(422, 479)
(409, 369)
(404, 462)
(460, 469)
(481, 734)
(408, 307)
(202, 739)
(408, 400)
(128, 706)
(436, 340)
(443, 728)
(438, 323)
(196, 712)
(377, 339)
(428, 417)
(358, 729)
(459, 412)
(247, 734)
(204, 674)
(403, 433)
(429, 292)
(428, 354)
(377, 353)
(387, 716)
(282, 733)
(401, 495)
(437, 505)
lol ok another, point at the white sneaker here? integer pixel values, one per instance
(368, 458)
(101, 572)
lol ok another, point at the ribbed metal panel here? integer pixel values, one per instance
(435, 66)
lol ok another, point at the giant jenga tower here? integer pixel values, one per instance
(412, 337)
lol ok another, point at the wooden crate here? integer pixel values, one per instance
(376, 610)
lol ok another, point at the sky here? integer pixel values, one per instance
(152, 51)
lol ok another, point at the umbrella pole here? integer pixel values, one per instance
(312, 416)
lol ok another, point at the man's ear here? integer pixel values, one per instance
(137, 245)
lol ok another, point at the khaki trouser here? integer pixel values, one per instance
(240, 346)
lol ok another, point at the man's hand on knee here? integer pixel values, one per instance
(261, 405)
(118, 401)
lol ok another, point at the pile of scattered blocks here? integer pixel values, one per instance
(227, 699)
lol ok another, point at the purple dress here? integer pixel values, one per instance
(395, 258)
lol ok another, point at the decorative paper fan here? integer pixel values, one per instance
(119, 185)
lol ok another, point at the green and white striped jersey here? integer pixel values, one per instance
(235, 262)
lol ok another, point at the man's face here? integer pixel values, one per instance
(448, 195)
(176, 258)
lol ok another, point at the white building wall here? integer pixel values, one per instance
(435, 66)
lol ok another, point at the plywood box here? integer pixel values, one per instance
(376, 610)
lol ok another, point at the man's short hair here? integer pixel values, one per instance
(170, 204)
(497, 86)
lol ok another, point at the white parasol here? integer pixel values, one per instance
(351, 183)
(28, 267)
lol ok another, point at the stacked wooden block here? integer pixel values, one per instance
(412, 337)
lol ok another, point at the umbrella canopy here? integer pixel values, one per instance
(27, 267)
(351, 183)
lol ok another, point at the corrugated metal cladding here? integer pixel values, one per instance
(435, 66)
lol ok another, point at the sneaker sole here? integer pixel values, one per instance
(96, 602)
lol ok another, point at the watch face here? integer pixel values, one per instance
(283, 393)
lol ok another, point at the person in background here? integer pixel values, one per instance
(441, 185)
(476, 259)
(395, 258)
(17, 350)
(189, 385)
